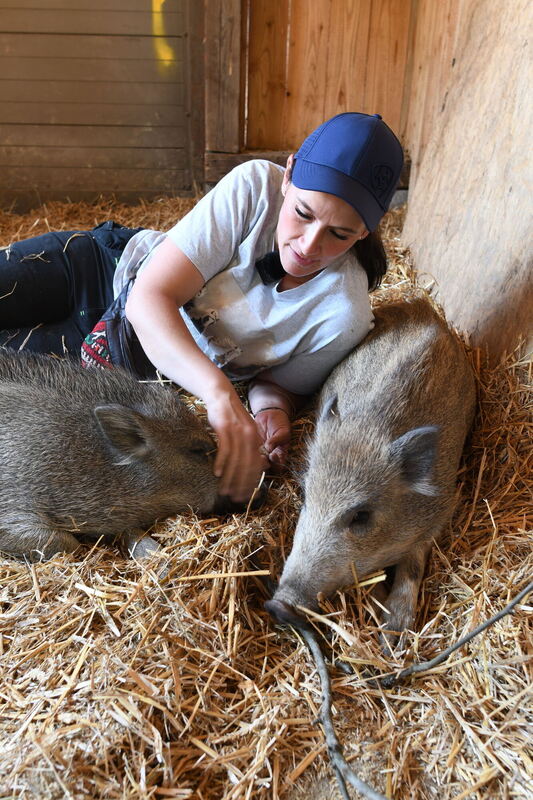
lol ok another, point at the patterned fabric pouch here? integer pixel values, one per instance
(114, 343)
(95, 349)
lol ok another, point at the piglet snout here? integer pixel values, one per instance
(284, 613)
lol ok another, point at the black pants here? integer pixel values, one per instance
(54, 288)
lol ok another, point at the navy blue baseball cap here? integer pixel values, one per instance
(355, 157)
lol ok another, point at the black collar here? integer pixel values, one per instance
(269, 268)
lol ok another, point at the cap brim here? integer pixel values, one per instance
(318, 178)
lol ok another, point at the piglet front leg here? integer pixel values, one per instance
(402, 598)
(28, 538)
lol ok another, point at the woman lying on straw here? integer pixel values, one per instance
(265, 280)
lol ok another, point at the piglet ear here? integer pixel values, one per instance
(125, 430)
(330, 409)
(416, 451)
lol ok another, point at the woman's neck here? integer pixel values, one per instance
(290, 282)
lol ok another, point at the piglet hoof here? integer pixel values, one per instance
(392, 637)
(140, 547)
(137, 545)
(386, 681)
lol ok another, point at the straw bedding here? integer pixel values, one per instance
(115, 683)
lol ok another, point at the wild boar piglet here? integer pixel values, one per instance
(86, 453)
(382, 463)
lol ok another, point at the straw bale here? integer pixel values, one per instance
(115, 683)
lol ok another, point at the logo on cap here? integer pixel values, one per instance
(382, 177)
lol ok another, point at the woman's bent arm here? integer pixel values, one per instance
(273, 408)
(167, 282)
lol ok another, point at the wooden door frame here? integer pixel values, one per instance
(225, 43)
(222, 41)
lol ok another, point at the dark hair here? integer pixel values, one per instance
(372, 257)
(370, 253)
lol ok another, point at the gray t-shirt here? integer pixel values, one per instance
(241, 324)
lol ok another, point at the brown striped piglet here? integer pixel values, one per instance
(381, 471)
(90, 453)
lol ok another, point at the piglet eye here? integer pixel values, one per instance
(201, 449)
(360, 516)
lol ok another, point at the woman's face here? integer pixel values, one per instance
(314, 228)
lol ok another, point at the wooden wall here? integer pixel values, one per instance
(470, 214)
(433, 70)
(307, 62)
(144, 97)
(297, 63)
(92, 100)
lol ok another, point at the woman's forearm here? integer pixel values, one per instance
(161, 288)
(264, 393)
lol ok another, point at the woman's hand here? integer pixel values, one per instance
(240, 460)
(274, 427)
(170, 280)
(273, 407)
(245, 446)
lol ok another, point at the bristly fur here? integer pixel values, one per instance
(92, 452)
(391, 424)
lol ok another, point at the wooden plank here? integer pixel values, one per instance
(125, 23)
(104, 181)
(307, 54)
(94, 157)
(194, 77)
(21, 201)
(434, 52)
(308, 63)
(93, 136)
(59, 92)
(88, 114)
(469, 216)
(80, 45)
(95, 6)
(408, 76)
(347, 62)
(129, 70)
(387, 59)
(267, 89)
(219, 164)
(423, 40)
(223, 54)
